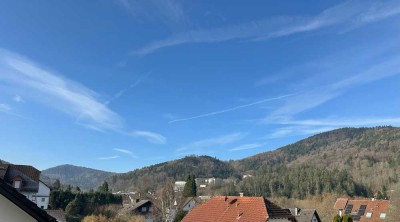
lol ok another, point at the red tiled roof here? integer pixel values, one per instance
(234, 208)
(29, 171)
(340, 203)
(376, 207)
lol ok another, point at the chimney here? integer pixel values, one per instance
(340, 212)
(297, 211)
(226, 198)
(241, 194)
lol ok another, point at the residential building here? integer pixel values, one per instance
(187, 204)
(26, 179)
(15, 207)
(305, 215)
(59, 215)
(179, 186)
(363, 210)
(238, 208)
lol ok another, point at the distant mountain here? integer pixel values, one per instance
(83, 177)
(3, 162)
(365, 158)
(153, 176)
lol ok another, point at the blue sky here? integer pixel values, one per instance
(121, 84)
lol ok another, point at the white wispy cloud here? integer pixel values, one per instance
(53, 90)
(149, 136)
(350, 13)
(354, 76)
(108, 157)
(231, 109)
(247, 146)
(298, 131)
(314, 126)
(344, 122)
(203, 146)
(57, 91)
(125, 151)
(5, 108)
(126, 89)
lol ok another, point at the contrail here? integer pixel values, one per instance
(231, 109)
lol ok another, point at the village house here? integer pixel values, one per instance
(364, 210)
(238, 208)
(187, 204)
(15, 207)
(58, 214)
(305, 215)
(179, 186)
(26, 179)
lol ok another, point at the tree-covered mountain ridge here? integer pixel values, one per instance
(356, 152)
(83, 177)
(361, 158)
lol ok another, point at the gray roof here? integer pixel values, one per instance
(28, 184)
(305, 215)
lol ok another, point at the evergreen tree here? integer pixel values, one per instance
(193, 187)
(337, 218)
(103, 188)
(190, 189)
(347, 218)
(57, 185)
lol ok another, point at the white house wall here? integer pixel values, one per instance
(9, 212)
(41, 198)
(43, 195)
(189, 206)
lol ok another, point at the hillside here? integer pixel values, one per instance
(361, 152)
(83, 177)
(340, 161)
(330, 148)
(153, 177)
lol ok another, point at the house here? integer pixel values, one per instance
(15, 207)
(187, 204)
(59, 215)
(305, 215)
(179, 186)
(26, 180)
(238, 208)
(247, 176)
(363, 210)
(142, 207)
(210, 180)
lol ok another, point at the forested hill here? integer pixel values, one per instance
(341, 160)
(85, 178)
(153, 176)
(353, 161)
(341, 149)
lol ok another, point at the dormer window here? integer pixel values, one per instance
(17, 184)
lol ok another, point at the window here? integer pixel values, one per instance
(17, 184)
(368, 215)
(43, 199)
(382, 216)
